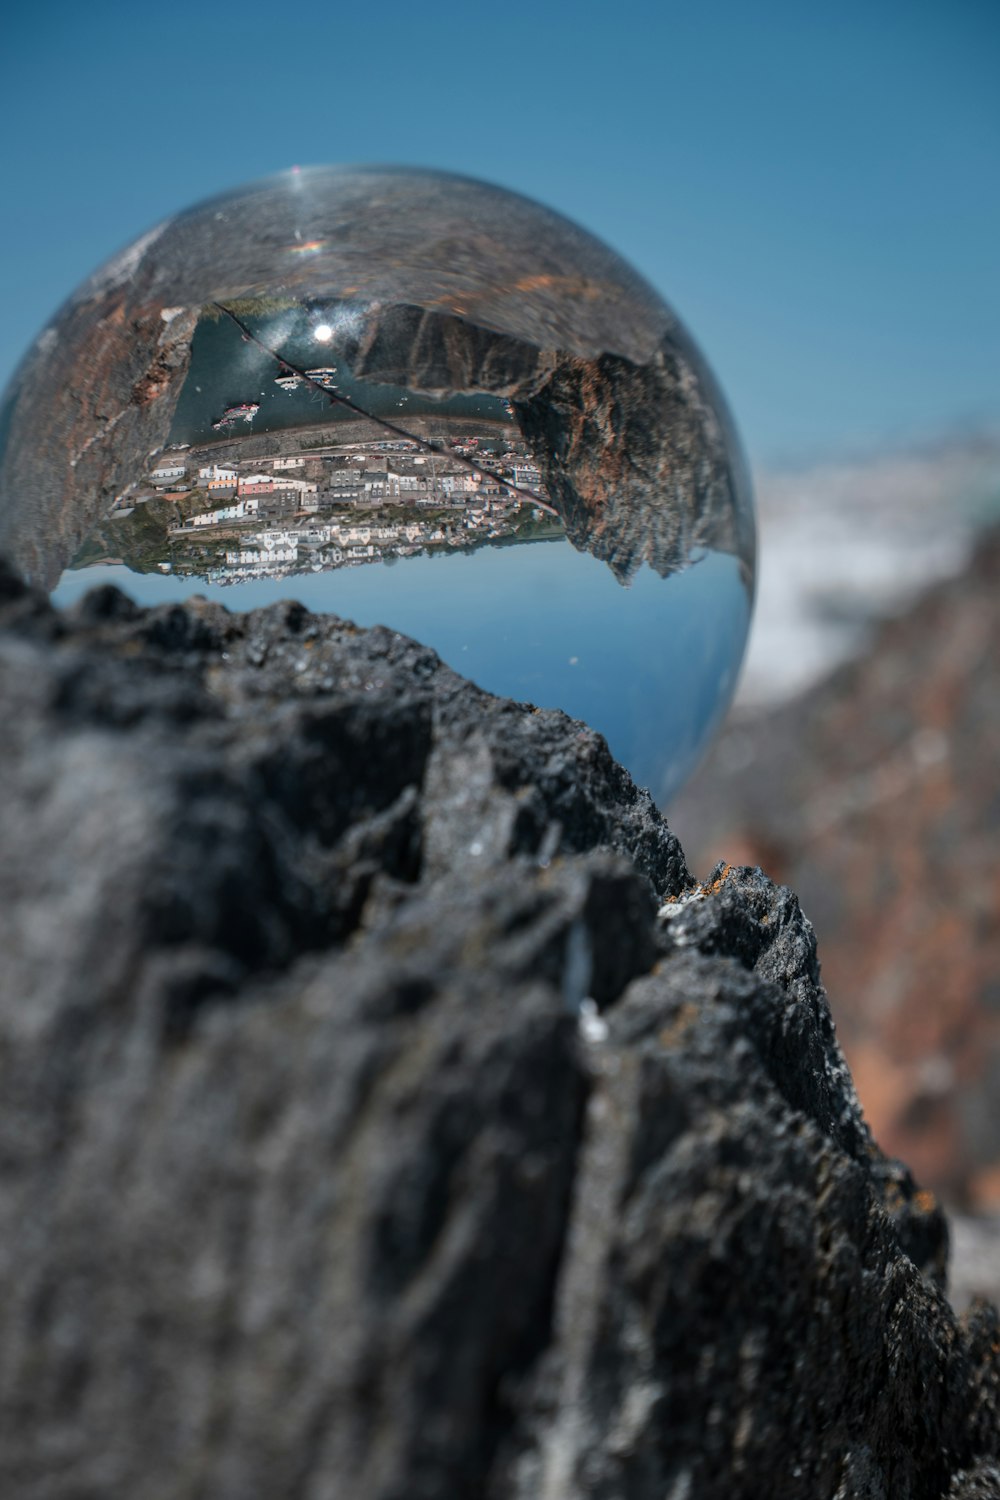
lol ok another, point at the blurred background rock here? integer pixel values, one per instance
(860, 767)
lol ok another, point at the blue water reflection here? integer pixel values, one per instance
(226, 369)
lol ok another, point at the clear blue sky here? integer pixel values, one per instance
(814, 186)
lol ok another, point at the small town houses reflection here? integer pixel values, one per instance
(335, 496)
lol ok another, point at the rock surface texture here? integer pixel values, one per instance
(386, 1114)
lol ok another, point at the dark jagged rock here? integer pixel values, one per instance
(385, 1113)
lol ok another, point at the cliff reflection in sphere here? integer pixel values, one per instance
(407, 399)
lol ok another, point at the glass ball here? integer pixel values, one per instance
(409, 399)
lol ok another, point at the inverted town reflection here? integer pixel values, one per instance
(349, 471)
(445, 371)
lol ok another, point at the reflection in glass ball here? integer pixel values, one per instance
(408, 399)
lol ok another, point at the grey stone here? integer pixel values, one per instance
(981, 1483)
(384, 1112)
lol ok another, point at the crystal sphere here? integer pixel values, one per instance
(409, 399)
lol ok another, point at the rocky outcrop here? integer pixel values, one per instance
(875, 797)
(91, 403)
(385, 1112)
(640, 461)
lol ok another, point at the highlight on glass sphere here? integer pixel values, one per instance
(410, 399)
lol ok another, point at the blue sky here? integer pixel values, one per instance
(813, 186)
